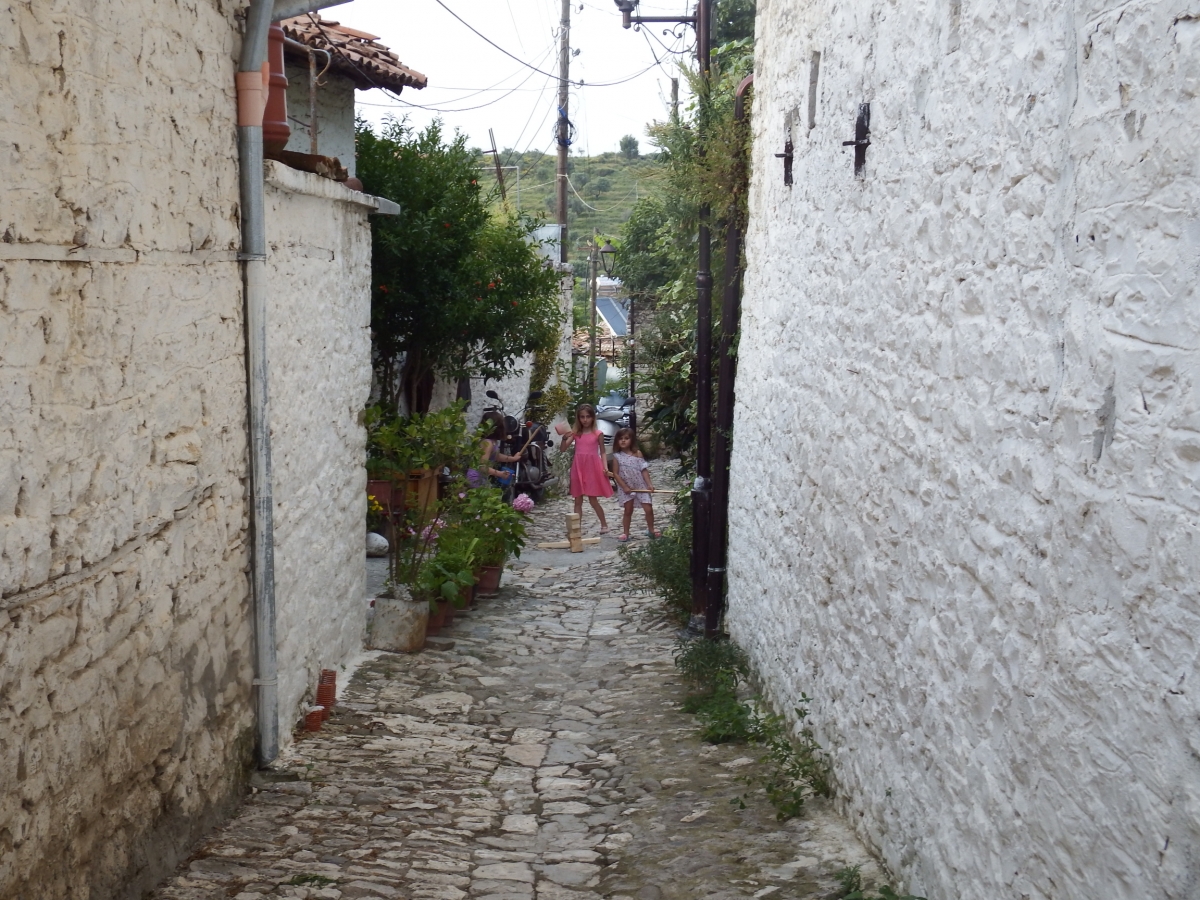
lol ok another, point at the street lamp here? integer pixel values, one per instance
(702, 596)
(627, 7)
(608, 255)
(608, 259)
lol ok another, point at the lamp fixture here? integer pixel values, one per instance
(608, 256)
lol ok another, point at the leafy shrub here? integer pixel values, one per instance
(665, 563)
(708, 665)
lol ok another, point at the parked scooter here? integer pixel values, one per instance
(613, 413)
(530, 440)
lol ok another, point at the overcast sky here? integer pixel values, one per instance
(464, 71)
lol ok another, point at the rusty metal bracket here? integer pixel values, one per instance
(862, 138)
(787, 155)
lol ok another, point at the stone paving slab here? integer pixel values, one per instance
(539, 755)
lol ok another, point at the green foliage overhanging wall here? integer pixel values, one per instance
(659, 250)
(458, 291)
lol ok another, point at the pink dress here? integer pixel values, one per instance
(588, 477)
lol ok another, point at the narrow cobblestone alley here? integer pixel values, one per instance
(534, 750)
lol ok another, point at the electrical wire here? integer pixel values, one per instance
(594, 209)
(581, 83)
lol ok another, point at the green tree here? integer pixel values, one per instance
(629, 147)
(733, 20)
(457, 290)
(659, 249)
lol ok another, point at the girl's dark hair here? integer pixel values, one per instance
(587, 408)
(496, 432)
(623, 433)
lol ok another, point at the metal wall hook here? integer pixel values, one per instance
(862, 138)
(787, 155)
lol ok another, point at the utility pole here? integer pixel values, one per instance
(499, 168)
(564, 74)
(595, 276)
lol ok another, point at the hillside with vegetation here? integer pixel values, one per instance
(607, 187)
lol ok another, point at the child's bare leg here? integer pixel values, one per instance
(649, 511)
(579, 505)
(595, 501)
(627, 517)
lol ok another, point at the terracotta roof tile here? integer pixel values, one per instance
(356, 54)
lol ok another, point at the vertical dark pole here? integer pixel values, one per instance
(727, 362)
(633, 364)
(593, 267)
(702, 487)
(564, 74)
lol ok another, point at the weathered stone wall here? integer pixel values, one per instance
(965, 483)
(335, 113)
(125, 717)
(319, 346)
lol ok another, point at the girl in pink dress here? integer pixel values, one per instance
(589, 474)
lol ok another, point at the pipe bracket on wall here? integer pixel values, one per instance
(862, 138)
(787, 156)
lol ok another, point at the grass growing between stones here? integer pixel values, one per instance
(792, 764)
(850, 882)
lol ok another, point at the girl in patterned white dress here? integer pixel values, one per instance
(632, 475)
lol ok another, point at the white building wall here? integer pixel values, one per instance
(319, 347)
(965, 476)
(335, 113)
(126, 725)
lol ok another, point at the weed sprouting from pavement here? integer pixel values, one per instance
(793, 764)
(850, 887)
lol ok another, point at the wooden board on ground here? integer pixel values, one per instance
(566, 545)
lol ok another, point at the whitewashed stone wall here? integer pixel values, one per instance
(965, 482)
(125, 665)
(335, 113)
(319, 345)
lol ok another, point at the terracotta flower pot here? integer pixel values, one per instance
(447, 610)
(489, 581)
(326, 694)
(467, 596)
(437, 618)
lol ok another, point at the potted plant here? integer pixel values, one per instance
(499, 529)
(397, 448)
(449, 573)
(410, 450)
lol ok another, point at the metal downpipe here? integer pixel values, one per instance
(254, 256)
(726, 375)
(702, 486)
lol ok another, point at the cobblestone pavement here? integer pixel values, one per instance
(537, 753)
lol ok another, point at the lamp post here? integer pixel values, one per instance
(702, 486)
(593, 267)
(608, 259)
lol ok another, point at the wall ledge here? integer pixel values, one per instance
(285, 178)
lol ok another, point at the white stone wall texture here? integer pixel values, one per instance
(965, 476)
(335, 113)
(125, 643)
(319, 346)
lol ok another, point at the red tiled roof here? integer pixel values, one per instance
(356, 54)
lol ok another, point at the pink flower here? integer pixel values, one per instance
(523, 503)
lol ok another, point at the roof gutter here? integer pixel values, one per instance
(285, 9)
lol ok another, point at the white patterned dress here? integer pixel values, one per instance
(630, 468)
